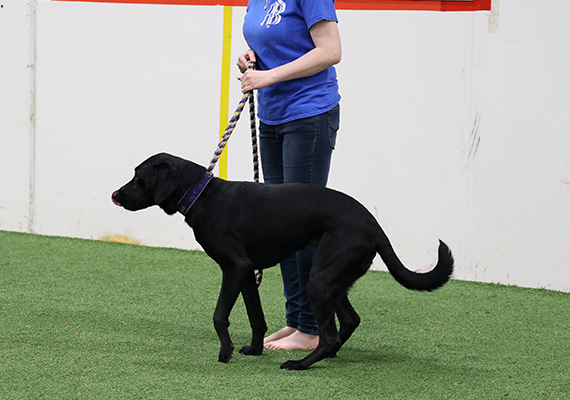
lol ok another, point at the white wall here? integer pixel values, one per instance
(519, 187)
(14, 116)
(117, 83)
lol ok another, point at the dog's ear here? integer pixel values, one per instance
(165, 182)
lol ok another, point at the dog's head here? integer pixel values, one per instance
(156, 182)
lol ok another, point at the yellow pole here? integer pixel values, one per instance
(225, 87)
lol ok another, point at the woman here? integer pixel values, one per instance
(295, 44)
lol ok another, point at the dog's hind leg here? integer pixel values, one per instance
(323, 294)
(252, 302)
(329, 338)
(338, 262)
(347, 318)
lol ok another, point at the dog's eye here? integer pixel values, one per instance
(140, 182)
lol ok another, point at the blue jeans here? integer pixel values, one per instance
(299, 151)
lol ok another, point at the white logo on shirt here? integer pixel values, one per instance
(273, 16)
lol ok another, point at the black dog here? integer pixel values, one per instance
(246, 226)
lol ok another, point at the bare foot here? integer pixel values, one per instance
(280, 334)
(295, 341)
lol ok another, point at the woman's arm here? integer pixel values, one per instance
(327, 52)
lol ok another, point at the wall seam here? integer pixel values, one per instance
(32, 63)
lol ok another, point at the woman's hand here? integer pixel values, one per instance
(244, 60)
(253, 79)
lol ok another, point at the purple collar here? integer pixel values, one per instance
(193, 193)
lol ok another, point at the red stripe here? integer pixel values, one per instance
(425, 5)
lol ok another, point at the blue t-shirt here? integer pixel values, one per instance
(280, 34)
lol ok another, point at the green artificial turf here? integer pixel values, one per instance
(83, 319)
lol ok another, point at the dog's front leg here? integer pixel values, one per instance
(252, 302)
(231, 284)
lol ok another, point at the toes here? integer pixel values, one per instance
(293, 366)
(226, 354)
(251, 350)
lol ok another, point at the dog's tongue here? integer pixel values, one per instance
(115, 202)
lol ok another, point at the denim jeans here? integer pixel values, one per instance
(299, 151)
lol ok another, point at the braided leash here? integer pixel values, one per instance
(230, 128)
(259, 273)
(226, 136)
(253, 137)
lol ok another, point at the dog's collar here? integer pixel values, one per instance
(193, 193)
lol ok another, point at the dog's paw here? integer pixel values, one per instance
(293, 366)
(226, 354)
(225, 357)
(251, 350)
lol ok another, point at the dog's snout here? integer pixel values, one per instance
(114, 198)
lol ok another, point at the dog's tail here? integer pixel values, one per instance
(426, 281)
